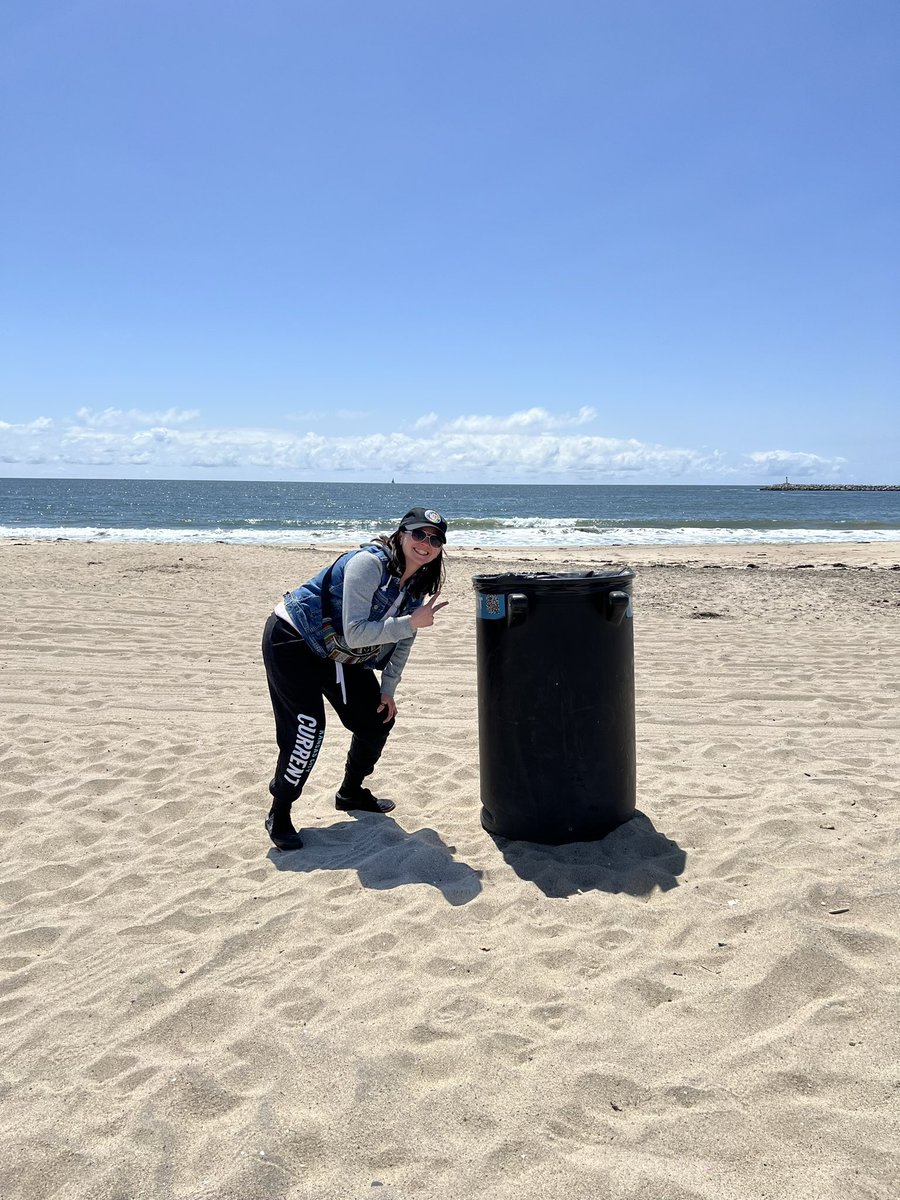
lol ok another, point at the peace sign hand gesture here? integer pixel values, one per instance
(423, 618)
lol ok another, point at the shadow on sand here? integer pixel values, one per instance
(635, 859)
(384, 856)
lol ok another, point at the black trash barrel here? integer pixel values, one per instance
(556, 704)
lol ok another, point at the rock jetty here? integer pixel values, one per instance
(830, 487)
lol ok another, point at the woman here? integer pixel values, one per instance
(327, 638)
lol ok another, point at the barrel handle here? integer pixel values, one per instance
(617, 606)
(516, 609)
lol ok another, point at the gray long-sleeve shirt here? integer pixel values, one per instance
(362, 579)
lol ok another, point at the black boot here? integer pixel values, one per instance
(354, 796)
(365, 751)
(279, 826)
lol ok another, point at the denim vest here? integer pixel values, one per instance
(304, 605)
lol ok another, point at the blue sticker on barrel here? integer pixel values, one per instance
(491, 607)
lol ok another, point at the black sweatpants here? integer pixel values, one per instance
(299, 684)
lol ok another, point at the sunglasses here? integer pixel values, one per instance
(419, 535)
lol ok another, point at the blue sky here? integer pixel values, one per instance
(648, 241)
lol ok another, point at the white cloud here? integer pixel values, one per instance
(494, 455)
(113, 418)
(39, 425)
(795, 462)
(534, 420)
(531, 444)
(428, 421)
(27, 442)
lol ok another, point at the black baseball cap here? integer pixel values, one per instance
(425, 518)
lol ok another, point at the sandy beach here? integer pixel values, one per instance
(704, 1004)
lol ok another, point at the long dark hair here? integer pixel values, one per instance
(427, 580)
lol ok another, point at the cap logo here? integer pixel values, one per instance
(434, 517)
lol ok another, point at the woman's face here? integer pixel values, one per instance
(419, 550)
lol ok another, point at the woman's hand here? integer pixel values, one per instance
(423, 617)
(387, 702)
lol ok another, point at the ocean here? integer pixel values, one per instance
(188, 511)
